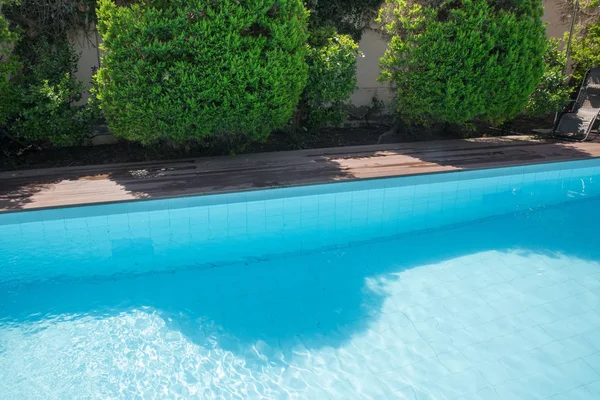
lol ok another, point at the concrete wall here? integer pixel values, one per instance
(373, 45)
(87, 45)
(555, 27)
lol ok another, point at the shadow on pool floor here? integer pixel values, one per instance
(320, 299)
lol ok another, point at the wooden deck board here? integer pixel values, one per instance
(117, 182)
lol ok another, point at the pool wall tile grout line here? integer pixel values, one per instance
(248, 261)
(225, 229)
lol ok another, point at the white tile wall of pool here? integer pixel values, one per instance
(241, 227)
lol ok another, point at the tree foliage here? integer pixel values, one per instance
(349, 17)
(331, 77)
(456, 61)
(187, 70)
(585, 50)
(49, 18)
(8, 66)
(47, 90)
(38, 87)
(553, 90)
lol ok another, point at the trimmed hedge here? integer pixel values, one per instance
(190, 70)
(463, 60)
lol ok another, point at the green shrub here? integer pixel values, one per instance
(553, 91)
(38, 88)
(349, 17)
(585, 50)
(463, 60)
(46, 89)
(8, 66)
(49, 18)
(331, 78)
(191, 70)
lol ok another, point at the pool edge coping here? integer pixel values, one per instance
(286, 186)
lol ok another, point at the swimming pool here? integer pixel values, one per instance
(467, 285)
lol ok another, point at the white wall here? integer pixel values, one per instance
(373, 46)
(87, 45)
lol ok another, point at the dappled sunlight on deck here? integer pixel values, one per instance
(118, 182)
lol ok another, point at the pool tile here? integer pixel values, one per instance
(593, 389)
(541, 386)
(590, 282)
(516, 389)
(497, 372)
(574, 374)
(370, 387)
(423, 372)
(565, 350)
(531, 317)
(455, 361)
(431, 314)
(536, 336)
(477, 315)
(460, 303)
(567, 327)
(580, 393)
(468, 382)
(593, 361)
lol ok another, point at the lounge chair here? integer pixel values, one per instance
(576, 120)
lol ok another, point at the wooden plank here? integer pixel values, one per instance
(117, 182)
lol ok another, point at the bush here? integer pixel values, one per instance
(349, 17)
(463, 60)
(8, 66)
(44, 90)
(331, 78)
(37, 74)
(553, 91)
(585, 50)
(190, 70)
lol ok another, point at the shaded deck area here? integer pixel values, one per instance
(118, 182)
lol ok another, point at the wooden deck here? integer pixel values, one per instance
(117, 182)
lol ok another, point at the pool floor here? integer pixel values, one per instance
(505, 308)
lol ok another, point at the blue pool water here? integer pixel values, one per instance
(469, 285)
